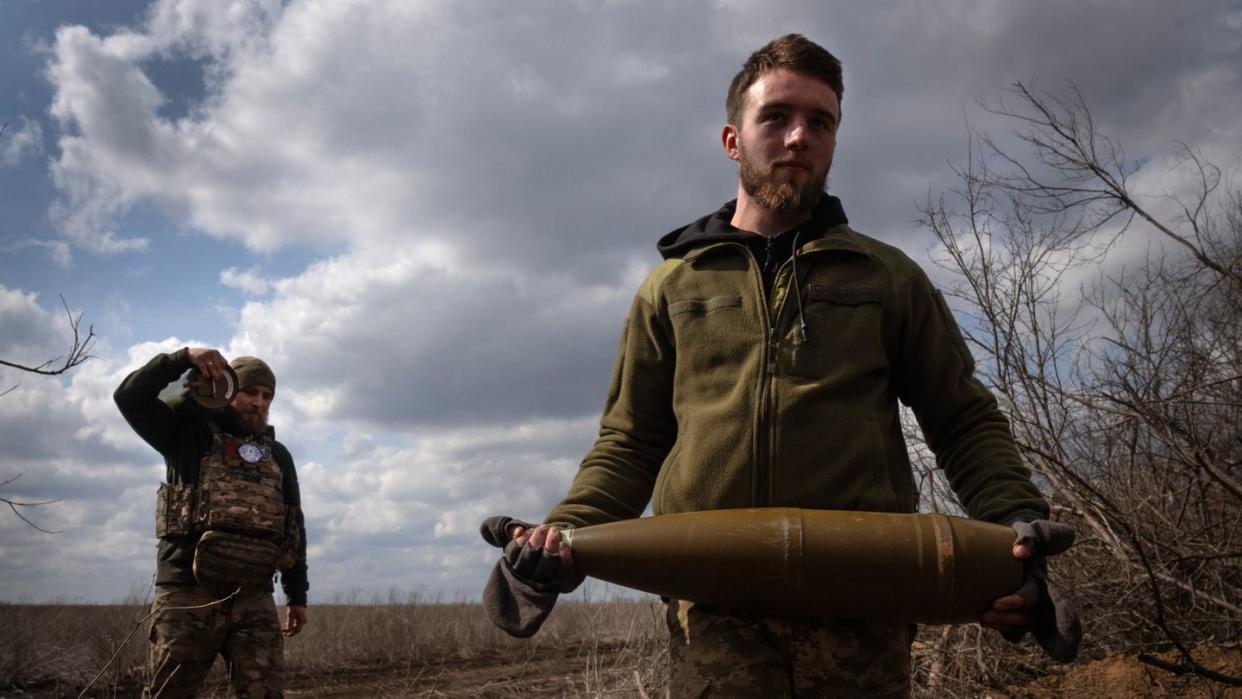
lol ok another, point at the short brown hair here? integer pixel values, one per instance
(792, 52)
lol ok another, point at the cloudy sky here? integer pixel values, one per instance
(431, 216)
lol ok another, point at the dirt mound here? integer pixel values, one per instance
(1126, 676)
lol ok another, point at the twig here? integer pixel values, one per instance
(1190, 667)
(168, 679)
(79, 352)
(13, 504)
(638, 682)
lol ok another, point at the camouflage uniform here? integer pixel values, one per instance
(713, 653)
(187, 630)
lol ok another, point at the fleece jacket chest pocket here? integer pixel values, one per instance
(845, 333)
(707, 332)
(703, 306)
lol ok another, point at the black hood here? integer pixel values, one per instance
(715, 228)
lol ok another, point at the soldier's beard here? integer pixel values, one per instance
(251, 423)
(777, 194)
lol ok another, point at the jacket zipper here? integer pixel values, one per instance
(767, 392)
(763, 428)
(760, 455)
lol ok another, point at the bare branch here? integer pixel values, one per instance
(78, 353)
(1192, 666)
(13, 505)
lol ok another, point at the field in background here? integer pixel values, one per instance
(396, 648)
(411, 648)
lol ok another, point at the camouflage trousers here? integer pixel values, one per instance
(714, 653)
(188, 631)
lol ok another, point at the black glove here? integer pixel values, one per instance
(522, 588)
(1054, 614)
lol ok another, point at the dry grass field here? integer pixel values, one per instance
(412, 648)
(397, 648)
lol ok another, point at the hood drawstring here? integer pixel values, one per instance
(793, 258)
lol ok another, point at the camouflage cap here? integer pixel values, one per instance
(252, 371)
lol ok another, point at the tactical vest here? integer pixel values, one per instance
(238, 507)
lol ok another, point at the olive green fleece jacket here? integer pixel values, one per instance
(180, 432)
(717, 401)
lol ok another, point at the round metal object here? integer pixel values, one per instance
(212, 394)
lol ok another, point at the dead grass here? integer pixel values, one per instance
(61, 648)
(408, 647)
(584, 649)
(394, 648)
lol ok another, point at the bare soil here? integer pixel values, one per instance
(1121, 676)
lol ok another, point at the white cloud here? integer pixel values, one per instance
(422, 495)
(420, 336)
(28, 336)
(478, 188)
(428, 498)
(411, 497)
(326, 124)
(249, 282)
(18, 142)
(208, 27)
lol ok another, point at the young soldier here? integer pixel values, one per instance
(761, 366)
(228, 516)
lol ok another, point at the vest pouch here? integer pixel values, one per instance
(174, 510)
(247, 501)
(226, 561)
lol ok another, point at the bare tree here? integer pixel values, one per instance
(1125, 395)
(79, 352)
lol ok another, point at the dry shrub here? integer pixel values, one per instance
(1125, 393)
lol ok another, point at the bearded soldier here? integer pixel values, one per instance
(761, 365)
(227, 519)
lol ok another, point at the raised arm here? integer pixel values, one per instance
(138, 396)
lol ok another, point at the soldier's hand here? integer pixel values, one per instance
(548, 538)
(1011, 614)
(296, 619)
(209, 362)
(1047, 612)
